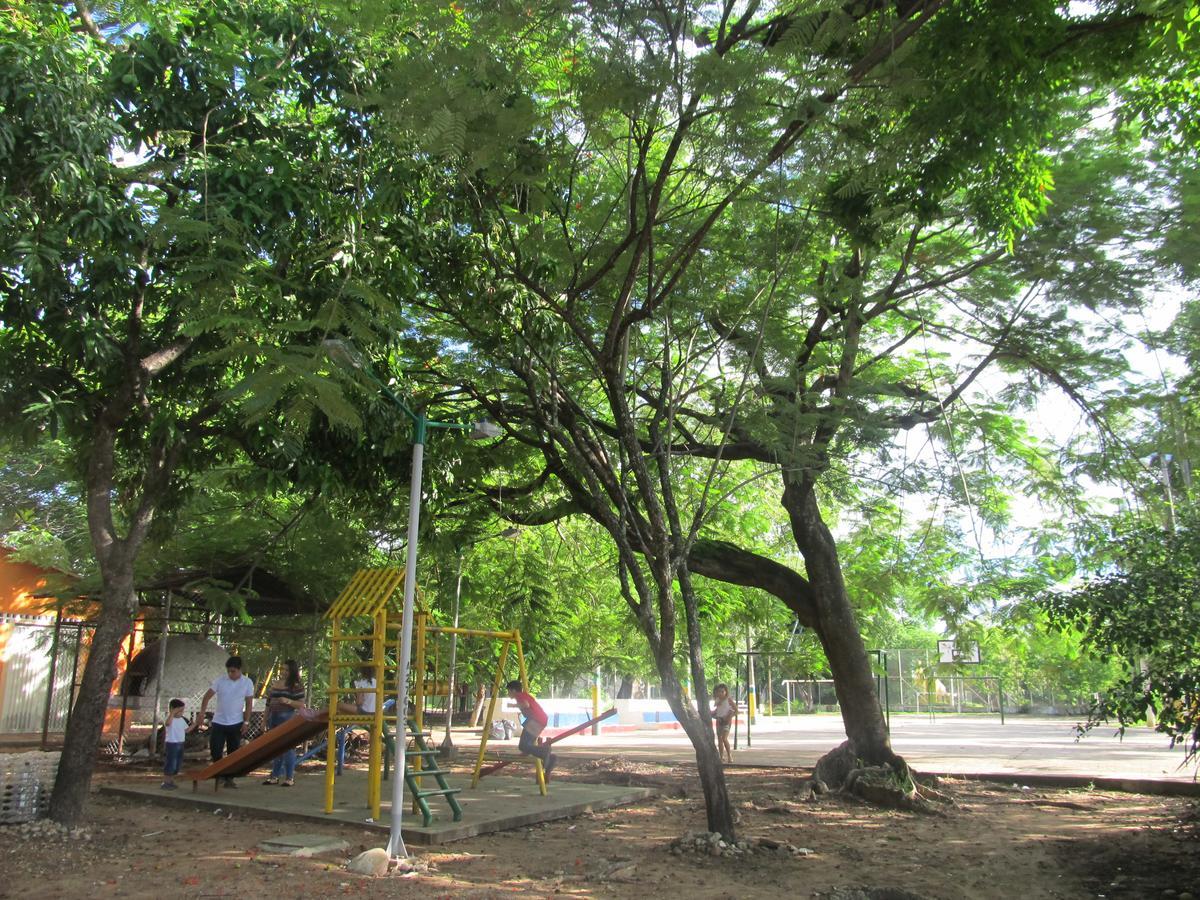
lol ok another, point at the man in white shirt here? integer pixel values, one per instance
(235, 701)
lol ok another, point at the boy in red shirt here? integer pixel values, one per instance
(534, 725)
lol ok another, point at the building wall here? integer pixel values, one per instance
(26, 633)
(21, 582)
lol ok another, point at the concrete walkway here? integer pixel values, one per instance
(947, 744)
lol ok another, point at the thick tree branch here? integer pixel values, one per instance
(84, 13)
(521, 490)
(944, 279)
(731, 564)
(1083, 30)
(155, 362)
(887, 352)
(932, 414)
(677, 264)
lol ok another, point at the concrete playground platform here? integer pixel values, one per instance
(499, 803)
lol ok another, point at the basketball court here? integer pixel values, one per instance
(945, 743)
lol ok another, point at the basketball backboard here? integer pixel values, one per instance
(956, 652)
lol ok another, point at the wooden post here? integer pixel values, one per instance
(751, 707)
(447, 747)
(125, 687)
(768, 700)
(162, 664)
(491, 711)
(596, 702)
(375, 752)
(50, 683)
(331, 732)
(74, 672)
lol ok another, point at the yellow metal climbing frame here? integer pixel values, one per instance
(362, 613)
(508, 639)
(370, 610)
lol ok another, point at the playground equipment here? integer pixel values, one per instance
(245, 759)
(422, 631)
(368, 613)
(367, 596)
(582, 726)
(421, 753)
(343, 736)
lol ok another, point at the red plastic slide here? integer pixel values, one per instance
(307, 723)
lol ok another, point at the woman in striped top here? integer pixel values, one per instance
(283, 699)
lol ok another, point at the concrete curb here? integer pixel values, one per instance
(475, 822)
(1125, 785)
(1157, 786)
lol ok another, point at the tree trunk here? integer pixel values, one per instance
(853, 679)
(708, 754)
(479, 700)
(82, 739)
(625, 691)
(708, 760)
(115, 555)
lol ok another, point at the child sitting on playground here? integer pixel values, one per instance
(174, 735)
(534, 725)
(364, 698)
(723, 712)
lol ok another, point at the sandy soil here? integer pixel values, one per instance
(995, 841)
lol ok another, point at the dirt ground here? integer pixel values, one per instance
(995, 841)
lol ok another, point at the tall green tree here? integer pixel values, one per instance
(179, 201)
(1143, 608)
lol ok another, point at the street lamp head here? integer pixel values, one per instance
(343, 352)
(346, 354)
(484, 429)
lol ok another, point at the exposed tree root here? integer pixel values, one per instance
(892, 785)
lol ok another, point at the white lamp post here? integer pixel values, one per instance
(478, 431)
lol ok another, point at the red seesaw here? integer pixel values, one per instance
(496, 767)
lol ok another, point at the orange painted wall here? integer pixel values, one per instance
(21, 583)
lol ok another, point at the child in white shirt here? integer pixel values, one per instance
(176, 731)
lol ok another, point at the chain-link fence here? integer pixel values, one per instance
(915, 681)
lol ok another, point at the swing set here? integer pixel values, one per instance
(423, 632)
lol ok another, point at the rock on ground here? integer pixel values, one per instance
(370, 862)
